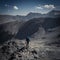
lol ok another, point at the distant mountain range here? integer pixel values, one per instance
(8, 18)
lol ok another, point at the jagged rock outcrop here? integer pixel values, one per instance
(15, 50)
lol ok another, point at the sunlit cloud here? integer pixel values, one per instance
(15, 7)
(11, 6)
(39, 7)
(49, 6)
(45, 7)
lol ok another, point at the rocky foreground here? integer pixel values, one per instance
(15, 50)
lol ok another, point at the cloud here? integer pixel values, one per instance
(49, 6)
(15, 7)
(39, 7)
(45, 7)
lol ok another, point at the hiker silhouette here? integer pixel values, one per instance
(27, 42)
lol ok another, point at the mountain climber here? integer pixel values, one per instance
(27, 42)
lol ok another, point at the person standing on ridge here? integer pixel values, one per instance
(27, 42)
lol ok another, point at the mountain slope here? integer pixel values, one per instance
(9, 30)
(33, 25)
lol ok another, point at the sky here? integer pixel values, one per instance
(23, 7)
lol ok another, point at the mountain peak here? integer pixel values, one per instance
(33, 13)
